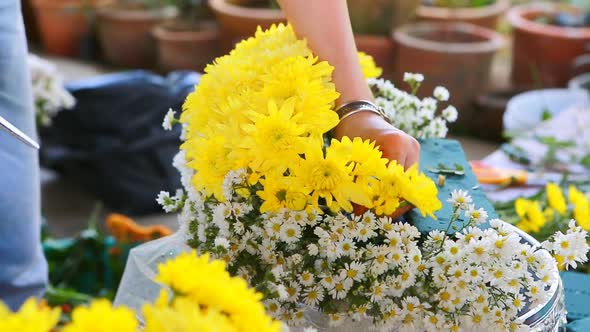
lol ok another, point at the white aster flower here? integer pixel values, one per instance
(313, 296)
(477, 216)
(169, 120)
(450, 114)
(222, 242)
(290, 232)
(460, 199)
(441, 93)
(413, 77)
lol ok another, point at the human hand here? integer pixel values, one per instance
(394, 143)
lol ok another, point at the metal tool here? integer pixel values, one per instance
(11, 129)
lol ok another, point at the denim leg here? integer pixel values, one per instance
(23, 269)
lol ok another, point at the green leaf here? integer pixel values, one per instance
(586, 161)
(546, 115)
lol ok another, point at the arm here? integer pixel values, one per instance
(326, 26)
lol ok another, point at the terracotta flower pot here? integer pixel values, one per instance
(186, 49)
(238, 22)
(31, 27)
(379, 17)
(381, 48)
(544, 54)
(63, 24)
(125, 34)
(457, 56)
(486, 16)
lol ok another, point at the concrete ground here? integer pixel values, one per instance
(67, 207)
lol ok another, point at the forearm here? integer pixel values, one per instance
(326, 26)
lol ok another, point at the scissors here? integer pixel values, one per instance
(11, 129)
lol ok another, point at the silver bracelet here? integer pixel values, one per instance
(358, 106)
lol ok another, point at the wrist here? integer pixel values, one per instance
(355, 123)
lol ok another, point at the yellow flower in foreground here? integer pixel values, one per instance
(101, 316)
(420, 191)
(370, 69)
(367, 159)
(282, 192)
(330, 178)
(581, 207)
(275, 141)
(555, 198)
(532, 218)
(209, 286)
(183, 315)
(30, 318)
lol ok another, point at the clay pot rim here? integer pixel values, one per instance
(493, 40)
(209, 31)
(222, 6)
(115, 12)
(443, 13)
(51, 4)
(516, 18)
(577, 82)
(373, 39)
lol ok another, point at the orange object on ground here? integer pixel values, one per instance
(124, 229)
(499, 176)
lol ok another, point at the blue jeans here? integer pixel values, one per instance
(23, 269)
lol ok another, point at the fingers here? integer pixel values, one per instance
(399, 146)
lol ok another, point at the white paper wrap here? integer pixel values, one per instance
(137, 285)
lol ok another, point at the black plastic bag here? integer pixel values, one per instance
(112, 141)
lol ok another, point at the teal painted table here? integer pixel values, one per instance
(448, 152)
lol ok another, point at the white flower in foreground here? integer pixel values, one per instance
(460, 199)
(441, 93)
(413, 77)
(221, 242)
(477, 216)
(168, 203)
(450, 113)
(569, 248)
(169, 119)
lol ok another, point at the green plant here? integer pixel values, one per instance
(460, 3)
(189, 10)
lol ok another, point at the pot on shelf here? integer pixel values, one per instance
(372, 22)
(63, 24)
(457, 56)
(543, 54)
(238, 21)
(486, 16)
(124, 33)
(186, 48)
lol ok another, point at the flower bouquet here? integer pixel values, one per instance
(204, 298)
(49, 94)
(309, 221)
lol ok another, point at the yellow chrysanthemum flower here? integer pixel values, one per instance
(31, 317)
(230, 110)
(555, 198)
(101, 316)
(330, 177)
(420, 191)
(209, 286)
(385, 191)
(366, 158)
(275, 141)
(581, 207)
(283, 192)
(532, 218)
(183, 315)
(370, 69)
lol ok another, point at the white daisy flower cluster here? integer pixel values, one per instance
(569, 248)
(415, 116)
(372, 268)
(49, 94)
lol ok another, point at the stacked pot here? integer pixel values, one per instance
(454, 47)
